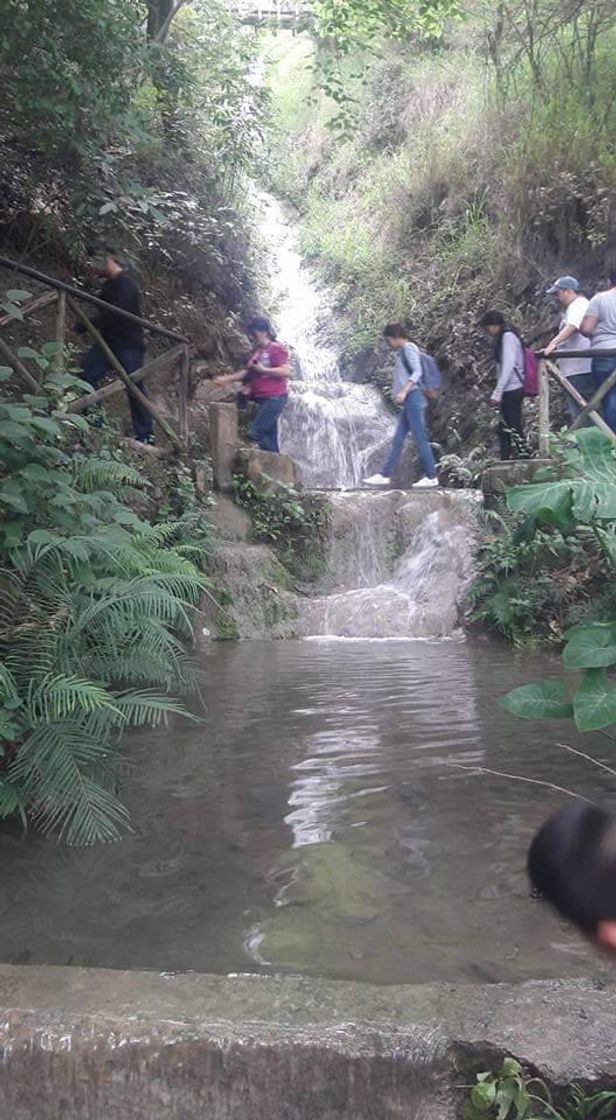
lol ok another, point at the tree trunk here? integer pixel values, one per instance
(159, 11)
(161, 14)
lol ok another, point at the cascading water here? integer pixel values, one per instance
(397, 562)
(336, 430)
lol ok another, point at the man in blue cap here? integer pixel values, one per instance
(577, 370)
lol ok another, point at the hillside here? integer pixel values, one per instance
(470, 172)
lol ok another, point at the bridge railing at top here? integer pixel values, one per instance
(67, 297)
(588, 409)
(272, 11)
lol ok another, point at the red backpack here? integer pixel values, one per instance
(531, 373)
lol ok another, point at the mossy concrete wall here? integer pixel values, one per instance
(81, 1044)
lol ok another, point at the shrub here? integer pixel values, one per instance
(95, 605)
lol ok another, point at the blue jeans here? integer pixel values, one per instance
(264, 428)
(601, 370)
(95, 366)
(412, 419)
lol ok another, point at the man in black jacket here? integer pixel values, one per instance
(122, 336)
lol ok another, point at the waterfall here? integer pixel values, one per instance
(397, 566)
(337, 431)
(397, 562)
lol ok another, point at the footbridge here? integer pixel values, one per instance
(293, 14)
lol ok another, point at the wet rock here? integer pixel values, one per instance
(251, 596)
(263, 467)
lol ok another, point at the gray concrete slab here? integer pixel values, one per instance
(100, 1044)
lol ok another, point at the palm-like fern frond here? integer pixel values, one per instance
(94, 604)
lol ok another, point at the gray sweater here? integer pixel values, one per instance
(401, 374)
(511, 366)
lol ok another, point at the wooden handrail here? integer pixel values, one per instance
(37, 304)
(132, 388)
(592, 352)
(571, 391)
(153, 366)
(79, 294)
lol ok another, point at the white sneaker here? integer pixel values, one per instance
(425, 484)
(377, 480)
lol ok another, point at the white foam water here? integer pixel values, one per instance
(407, 578)
(337, 431)
(397, 562)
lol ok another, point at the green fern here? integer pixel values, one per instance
(95, 608)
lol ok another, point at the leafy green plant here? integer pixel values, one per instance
(584, 496)
(95, 607)
(532, 579)
(293, 525)
(511, 1095)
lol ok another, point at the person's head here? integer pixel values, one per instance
(395, 335)
(565, 290)
(572, 864)
(260, 331)
(113, 265)
(493, 323)
(612, 278)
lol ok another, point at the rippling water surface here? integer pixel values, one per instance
(319, 822)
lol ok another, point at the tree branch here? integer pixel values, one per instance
(163, 31)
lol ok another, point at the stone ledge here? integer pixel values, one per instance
(264, 467)
(110, 1045)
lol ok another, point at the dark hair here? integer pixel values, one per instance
(260, 324)
(395, 330)
(572, 864)
(612, 276)
(118, 257)
(493, 318)
(496, 318)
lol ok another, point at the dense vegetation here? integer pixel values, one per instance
(477, 166)
(581, 504)
(127, 123)
(121, 124)
(96, 606)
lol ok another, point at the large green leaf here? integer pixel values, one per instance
(537, 498)
(12, 494)
(541, 700)
(591, 646)
(594, 703)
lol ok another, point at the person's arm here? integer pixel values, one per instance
(588, 325)
(229, 378)
(510, 352)
(411, 361)
(559, 338)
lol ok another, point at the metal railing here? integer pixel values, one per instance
(588, 409)
(67, 297)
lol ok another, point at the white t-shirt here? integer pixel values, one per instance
(573, 316)
(603, 305)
